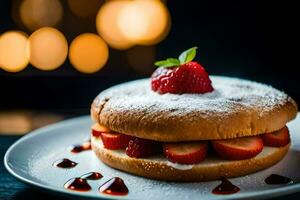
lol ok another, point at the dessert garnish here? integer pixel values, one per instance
(226, 187)
(78, 184)
(275, 179)
(114, 140)
(182, 75)
(277, 138)
(114, 186)
(64, 163)
(238, 148)
(140, 148)
(186, 153)
(92, 176)
(78, 148)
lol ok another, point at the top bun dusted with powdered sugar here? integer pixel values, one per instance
(180, 110)
(235, 108)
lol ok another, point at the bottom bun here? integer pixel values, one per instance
(212, 168)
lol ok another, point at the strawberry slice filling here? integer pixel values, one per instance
(191, 152)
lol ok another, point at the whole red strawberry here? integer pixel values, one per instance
(181, 75)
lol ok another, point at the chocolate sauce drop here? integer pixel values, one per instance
(77, 148)
(226, 187)
(64, 163)
(78, 184)
(114, 186)
(277, 179)
(92, 176)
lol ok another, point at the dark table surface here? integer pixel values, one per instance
(11, 188)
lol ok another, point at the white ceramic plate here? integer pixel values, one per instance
(30, 159)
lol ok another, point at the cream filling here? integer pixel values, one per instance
(179, 166)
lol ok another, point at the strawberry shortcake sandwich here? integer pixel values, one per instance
(184, 125)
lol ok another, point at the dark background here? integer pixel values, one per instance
(248, 39)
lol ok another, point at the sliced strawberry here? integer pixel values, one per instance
(185, 153)
(277, 138)
(97, 129)
(239, 148)
(140, 148)
(115, 140)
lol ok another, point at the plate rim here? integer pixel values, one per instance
(271, 192)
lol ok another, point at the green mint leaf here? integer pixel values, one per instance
(187, 55)
(175, 61)
(160, 63)
(170, 62)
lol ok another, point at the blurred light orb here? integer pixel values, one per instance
(14, 55)
(48, 48)
(144, 22)
(88, 53)
(39, 13)
(85, 8)
(107, 24)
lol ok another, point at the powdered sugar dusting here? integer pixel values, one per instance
(228, 94)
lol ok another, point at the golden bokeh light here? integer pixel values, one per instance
(84, 8)
(13, 51)
(107, 24)
(88, 53)
(133, 22)
(144, 22)
(48, 48)
(39, 13)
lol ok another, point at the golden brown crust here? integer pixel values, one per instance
(236, 108)
(210, 169)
